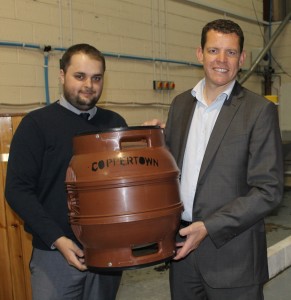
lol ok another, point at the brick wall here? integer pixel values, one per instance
(168, 29)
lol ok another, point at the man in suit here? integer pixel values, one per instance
(227, 144)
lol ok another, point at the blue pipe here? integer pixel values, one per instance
(126, 56)
(13, 44)
(108, 54)
(33, 46)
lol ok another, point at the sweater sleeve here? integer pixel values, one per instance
(23, 173)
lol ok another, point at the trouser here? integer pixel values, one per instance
(52, 278)
(187, 283)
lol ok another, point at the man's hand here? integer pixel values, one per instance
(72, 253)
(154, 122)
(195, 234)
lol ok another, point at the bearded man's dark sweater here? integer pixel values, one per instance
(40, 152)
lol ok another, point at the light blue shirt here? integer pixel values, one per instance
(202, 124)
(63, 102)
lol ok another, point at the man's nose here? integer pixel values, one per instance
(88, 82)
(222, 56)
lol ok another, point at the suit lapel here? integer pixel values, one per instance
(185, 127)
(223, 122)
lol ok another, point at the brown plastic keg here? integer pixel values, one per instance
(123, 197)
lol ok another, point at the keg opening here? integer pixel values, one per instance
(146, 249)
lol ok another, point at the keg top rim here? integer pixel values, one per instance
(119, 129)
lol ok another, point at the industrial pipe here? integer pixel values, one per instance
(265, 50)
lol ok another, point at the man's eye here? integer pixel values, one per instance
(232, 53)
(97, 78)
(79, 76)
(212, 51)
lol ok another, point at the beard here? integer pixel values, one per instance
(80, 102)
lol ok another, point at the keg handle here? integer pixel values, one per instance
(134, 142)
(146, 138)
(131, 140)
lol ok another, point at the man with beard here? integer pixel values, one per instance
(40, 152)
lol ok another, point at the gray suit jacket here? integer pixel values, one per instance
(240, 182)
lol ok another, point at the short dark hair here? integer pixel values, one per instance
(81, 48)
(223, 26)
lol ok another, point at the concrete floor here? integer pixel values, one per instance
(151, 283)
(279, 287)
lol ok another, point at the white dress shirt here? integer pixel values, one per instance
(202, 124)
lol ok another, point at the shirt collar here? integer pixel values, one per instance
(197, 91)
(65, 103)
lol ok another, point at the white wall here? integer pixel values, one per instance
(168, 29)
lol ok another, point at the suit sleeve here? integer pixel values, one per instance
(264, 180)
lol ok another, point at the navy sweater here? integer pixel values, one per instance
(40, 152)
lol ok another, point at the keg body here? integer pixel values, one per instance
(123, 197)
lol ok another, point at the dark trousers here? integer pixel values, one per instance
(52, 278)
(186, 282)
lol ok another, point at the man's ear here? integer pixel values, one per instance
(199, 54)
(242, 58)
(62, 76)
